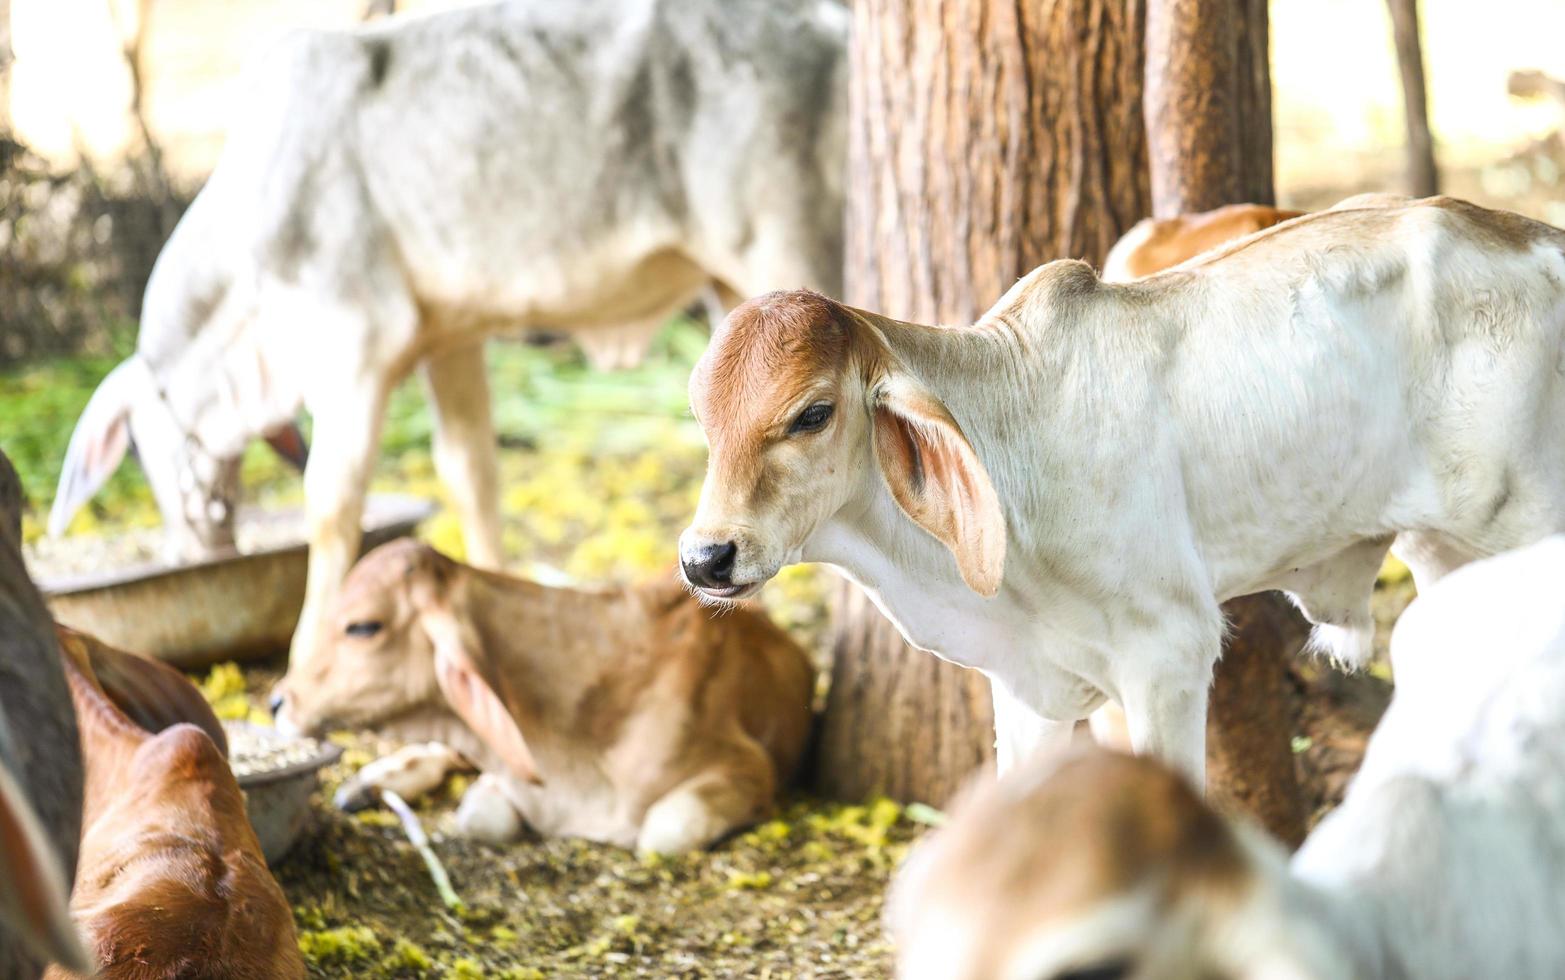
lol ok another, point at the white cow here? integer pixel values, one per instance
(392, 195)
(1062, 494)
(1446, 860)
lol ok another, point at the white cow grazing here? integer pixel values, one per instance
(1446, 860)
(1062, 494)
(391, 195)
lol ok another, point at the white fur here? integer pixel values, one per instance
(410, 772)
(1445, 860)
(1447, 857)
(680, 822)
(486, 812)
(393, 195)
(1272, 416)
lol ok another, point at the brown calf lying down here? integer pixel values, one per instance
(634, 717)
(170, 881)
(1155, 244)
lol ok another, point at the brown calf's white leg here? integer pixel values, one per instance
(486, 812)
(465, 447)
(410, 772)
(709, 805)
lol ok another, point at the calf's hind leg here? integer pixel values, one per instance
(1334, 596)
(709, 805)
(465, 447)
(486, 812)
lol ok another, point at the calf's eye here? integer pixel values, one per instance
(812, 419)
(368, 627)
(1116, 970)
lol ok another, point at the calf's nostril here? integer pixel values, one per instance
(712, 565)
(722, 566)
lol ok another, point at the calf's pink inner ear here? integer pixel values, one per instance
(468, 688)
(937, 479)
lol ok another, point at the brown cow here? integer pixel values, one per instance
(634, 717)
(1155, 244)
(170, 881)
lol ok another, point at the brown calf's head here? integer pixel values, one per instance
(401, 639)
(802, 401)
(1100, 865)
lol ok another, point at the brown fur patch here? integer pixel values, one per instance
(1029, 850)
(1175, 240)
(171, 882)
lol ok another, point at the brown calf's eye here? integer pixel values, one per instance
(1115, 970)
(368, 627)
(812, 419)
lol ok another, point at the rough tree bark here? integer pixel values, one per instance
(1423, 179)
(1209, 135)
(987, 137)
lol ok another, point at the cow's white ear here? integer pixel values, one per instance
(32, 889)
(471, 688)
(99, 442)
(937, 479)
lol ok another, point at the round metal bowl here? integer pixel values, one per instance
(224, 608)
(278, 800)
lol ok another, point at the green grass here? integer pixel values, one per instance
(543, 397)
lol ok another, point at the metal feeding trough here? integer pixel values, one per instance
(278, 774)
(224, 608)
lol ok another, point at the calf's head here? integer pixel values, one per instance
(188, 440)
(1099, 865)
(806, 410)
(401, 639)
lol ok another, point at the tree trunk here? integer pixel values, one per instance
(1209, 134)
(986, 139)
(1422, 177)
(7, 56)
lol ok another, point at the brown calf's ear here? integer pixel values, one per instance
(33, 889)
(937, 479)
(471, 688)
(151, 694)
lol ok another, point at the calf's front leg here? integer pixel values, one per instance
(409, 772)
(336, 479)
(1167, 719)
(1020, 732)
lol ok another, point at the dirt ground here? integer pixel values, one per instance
(798, 896)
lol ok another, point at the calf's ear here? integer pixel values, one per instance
(287, 441)
(150, 693)
(32, 886)
(937, 479)
(474, 691)
(98, 443)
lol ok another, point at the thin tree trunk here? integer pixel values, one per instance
(7, 58)
(986, 138)
(1422, 177)
(1208, 114)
